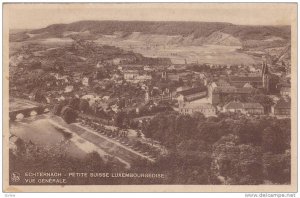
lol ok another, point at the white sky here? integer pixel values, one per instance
(20, 16)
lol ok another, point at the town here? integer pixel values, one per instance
(118, 84)
(124, 96)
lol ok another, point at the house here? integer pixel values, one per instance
(135, 76)
(173, 77)
(76, 77)
(182, 88)
(69, 89)
(256, 81)
(234, 107)
(248, 85)
(240, 81)
(177, 67)
(131, 68)
(142, 78)
(282, 108)
(222, 83)
(205, 108)
(131, 75)
(191, 94)
(254, 108)
(202, 76)
(285, 91)
(217, 93)
(147, 68)
(245, 108)
(99, 65)
(85, 81)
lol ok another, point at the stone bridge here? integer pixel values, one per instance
(27, 111)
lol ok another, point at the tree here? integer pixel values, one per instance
(69, 115)
(198, 116)
(58, 108)
(74, 103)
(248, 131)
(210, 131)
(84, 106)
(119, 118)
(274, 80)
(93, 161)
(264, 100)
(20, 144)
(236, 164)
(277, 168)
(273, 140)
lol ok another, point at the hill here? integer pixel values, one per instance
(203, 42)
(171, 28)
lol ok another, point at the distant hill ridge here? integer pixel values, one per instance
(168, 32)
(197, 29)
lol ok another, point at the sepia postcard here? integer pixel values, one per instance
(150, 97)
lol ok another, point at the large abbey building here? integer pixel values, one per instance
(239, 85)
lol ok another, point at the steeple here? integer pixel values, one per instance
(264, 69)
(265, 75)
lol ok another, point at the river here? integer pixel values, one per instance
(48, 130)
(41, 131)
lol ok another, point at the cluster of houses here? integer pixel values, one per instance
(207, 100)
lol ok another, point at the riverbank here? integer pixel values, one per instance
(110, 146)
(83, 140)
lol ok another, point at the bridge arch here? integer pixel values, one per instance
(27, 112)
(33, 113)
(20, 116)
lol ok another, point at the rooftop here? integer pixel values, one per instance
(245, 78)
(199, 106)
(234, 105)
(283, 104)
(232, 89)
(192, 91)
(240, 105)
(285, 89)
(132, 67)
(252, 106)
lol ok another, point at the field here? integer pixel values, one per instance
(214, 54)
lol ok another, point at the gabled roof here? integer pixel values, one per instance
(248, 85)
(285, 89)
(283, 104)
(199, 106)
(199, 95)
(252, 106)
(133, 67)
(231, 89)
(192, 91)
(234, 105)
(240, 105)
(245, 79)
(222, 82)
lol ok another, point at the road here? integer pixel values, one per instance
(114, 148)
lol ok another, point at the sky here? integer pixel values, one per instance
(32, 16)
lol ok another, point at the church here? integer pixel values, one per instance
(258, 82)
(239, 85)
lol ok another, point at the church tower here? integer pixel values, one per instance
(265, 75)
